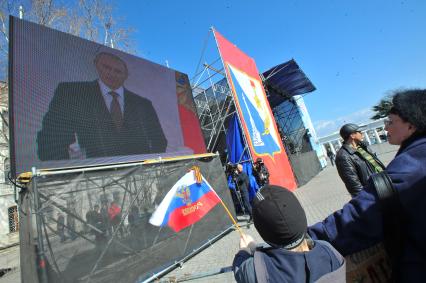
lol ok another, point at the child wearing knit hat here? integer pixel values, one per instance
(288, 255)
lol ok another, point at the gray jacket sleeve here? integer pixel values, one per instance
(243, 267)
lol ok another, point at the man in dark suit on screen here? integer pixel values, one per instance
(100, 118)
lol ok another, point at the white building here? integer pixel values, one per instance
(9, 220)
(374, 133)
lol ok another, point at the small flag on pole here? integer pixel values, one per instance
(186, 203)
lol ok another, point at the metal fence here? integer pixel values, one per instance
(70, 232)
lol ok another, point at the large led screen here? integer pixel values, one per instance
(76, 103)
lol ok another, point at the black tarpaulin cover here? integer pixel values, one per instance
(284, 81)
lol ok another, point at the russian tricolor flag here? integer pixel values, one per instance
(186, 203)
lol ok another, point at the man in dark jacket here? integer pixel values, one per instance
(359, 225)
(260, 172)
(289, 256)
(354, 161)
(243, 182)
(332, 156)
(60, 227)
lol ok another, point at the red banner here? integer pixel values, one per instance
(191, 130)
(255, 114)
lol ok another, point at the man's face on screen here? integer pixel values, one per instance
(112, 71)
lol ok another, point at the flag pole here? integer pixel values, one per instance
(199, 178)
(232, 218)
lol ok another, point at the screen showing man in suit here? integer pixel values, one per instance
(99, 118)
(77, 103)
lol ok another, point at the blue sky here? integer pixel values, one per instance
(353, 51)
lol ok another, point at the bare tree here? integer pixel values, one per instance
(90, 19)
(100, 25)
(47, 13)
(4, 131)
(6, 8)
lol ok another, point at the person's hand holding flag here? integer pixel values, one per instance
(247, 243)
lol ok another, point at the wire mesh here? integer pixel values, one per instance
(95, 224)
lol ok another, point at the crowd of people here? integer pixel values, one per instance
(387, 206)
(104, 221)
(239, 183)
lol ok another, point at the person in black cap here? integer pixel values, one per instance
(260, 172)
(355, 162)
(288, 256)
(363, 223)
(331, 155)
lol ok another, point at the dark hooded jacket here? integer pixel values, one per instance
(287, 266)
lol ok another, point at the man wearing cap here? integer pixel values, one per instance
(260, 172)
(354, 161)
(287, 256)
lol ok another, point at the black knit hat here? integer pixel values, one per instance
(410, 105)
(278, 217)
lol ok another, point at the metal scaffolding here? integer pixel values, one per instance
(213, 97)
(214, 100)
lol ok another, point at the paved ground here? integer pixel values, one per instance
(9, 260)
(322, 195)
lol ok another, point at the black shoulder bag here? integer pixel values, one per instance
(392, 217)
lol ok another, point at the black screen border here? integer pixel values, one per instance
(12, 20)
